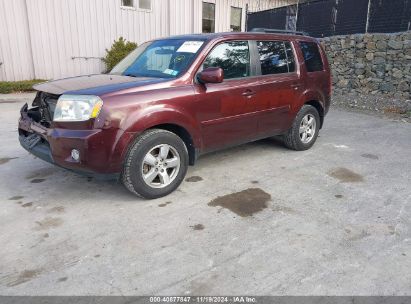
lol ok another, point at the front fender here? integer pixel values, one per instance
(146, 118)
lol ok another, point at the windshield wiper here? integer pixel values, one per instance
(130, 75)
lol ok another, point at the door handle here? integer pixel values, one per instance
(296, 86)
(248, 93)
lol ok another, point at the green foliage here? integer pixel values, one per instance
(120, 49)
(7, 87)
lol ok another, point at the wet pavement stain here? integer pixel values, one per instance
(5, 160)
(194, 179)
(25, 276)
(41, 173)
(16, 198)
(338, 196)
(164, 204)
(244, 203)
(370, 156)
(37, 180)
(27, 205)
(62, 279)
(198, 227)
(58, 209)
(49, 222)
(345, 175)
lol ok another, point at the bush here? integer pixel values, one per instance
(7, 87)
(120, 49)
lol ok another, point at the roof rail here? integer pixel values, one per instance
(268, 30)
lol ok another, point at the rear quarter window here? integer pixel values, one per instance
(312, 56)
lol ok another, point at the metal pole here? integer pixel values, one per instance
(368, 16)
(246, 17)
(296, 14)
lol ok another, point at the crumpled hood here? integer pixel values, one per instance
(94, 84)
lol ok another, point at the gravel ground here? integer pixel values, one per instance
(398, 109)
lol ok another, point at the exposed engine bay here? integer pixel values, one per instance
(43, 108)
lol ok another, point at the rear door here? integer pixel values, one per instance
(280, 85)
(227, 110)
(317, 70)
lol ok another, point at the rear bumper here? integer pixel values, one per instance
(53, 145)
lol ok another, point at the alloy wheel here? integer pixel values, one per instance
(160, 166)
(308, 127)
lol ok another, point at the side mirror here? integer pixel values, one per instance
(211, 75)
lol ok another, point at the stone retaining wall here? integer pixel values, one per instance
(371, 63)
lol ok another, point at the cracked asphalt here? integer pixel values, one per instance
(257, 219)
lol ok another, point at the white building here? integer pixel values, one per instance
(50, 39)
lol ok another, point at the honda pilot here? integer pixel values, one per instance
(172, 100)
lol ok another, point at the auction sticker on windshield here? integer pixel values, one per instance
(190, 47)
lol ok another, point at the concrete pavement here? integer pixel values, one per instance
(334, 220)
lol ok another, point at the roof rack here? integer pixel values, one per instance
(268, 30)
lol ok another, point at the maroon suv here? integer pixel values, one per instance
(174, 99)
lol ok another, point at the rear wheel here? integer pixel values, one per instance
(156, 164)
(304, 131)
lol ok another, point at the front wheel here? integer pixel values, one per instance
(304, 131)
(156, 164)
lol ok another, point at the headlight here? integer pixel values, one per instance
(77, 107)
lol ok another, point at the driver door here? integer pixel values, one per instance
(226, 110)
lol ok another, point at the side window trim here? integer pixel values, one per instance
(286, 56)
(200, 68)
(255, 67)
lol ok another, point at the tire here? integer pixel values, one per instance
(145, 158)
(293, 140)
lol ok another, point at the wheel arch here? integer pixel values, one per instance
(319, 107)
(184, 135)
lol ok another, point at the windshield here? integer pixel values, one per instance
(162, 58)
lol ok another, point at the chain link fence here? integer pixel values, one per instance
(323, 18)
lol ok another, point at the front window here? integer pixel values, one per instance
(167, 58)
(235, 19)
(208, 17)
(233, 57)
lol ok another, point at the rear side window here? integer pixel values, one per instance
(233, 57)
(276, 57)
(312, 56)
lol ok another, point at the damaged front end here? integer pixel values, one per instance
(48, 131)
(35, 123)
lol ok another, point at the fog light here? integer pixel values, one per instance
(75, 154)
